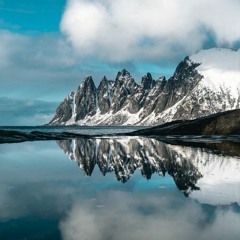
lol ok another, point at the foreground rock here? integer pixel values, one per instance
(226, 123)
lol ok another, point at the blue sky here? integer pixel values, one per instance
(47, 47)
(31, 16)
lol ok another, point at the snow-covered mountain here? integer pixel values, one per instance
(209, 176)
(204, 83)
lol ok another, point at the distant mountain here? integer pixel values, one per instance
(205, 83)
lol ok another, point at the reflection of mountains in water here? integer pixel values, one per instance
(192, 168)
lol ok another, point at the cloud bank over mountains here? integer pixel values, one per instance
(117, 31)
(100, 37)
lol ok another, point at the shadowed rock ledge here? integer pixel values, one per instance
(226, 123)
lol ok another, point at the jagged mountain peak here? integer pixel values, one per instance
(104, 78)
(147, 81)
(88, 80)
(162, 78)
(204, 83)
(103, 82)
(123, 75)
(147, 77)
(124, 72)
(86, 83)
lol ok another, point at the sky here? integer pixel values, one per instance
(47, 47)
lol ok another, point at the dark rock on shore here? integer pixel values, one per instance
(226, 123)
(18, 136)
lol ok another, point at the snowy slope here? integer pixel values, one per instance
(220, 68)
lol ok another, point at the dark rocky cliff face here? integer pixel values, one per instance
(85, 99)
(123, 88)
(64, 111)
(178, 86)
(152, 102)
(104, 94)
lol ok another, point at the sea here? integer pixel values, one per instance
(112, 187)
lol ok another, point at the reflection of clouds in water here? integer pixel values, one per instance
(120, 215)
(35, 179)
(225, 226)
(35, 199)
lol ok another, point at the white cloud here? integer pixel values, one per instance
(40, 51)
(147, 216)
(44, 67)
(41, 67)
(123, 30)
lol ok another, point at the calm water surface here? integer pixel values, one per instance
(119, 188)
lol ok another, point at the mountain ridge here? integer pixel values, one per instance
(199, 86)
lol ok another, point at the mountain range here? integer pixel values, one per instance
(204, 83)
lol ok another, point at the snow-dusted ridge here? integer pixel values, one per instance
(204, 83)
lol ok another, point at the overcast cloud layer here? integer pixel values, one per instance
(117, 31)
